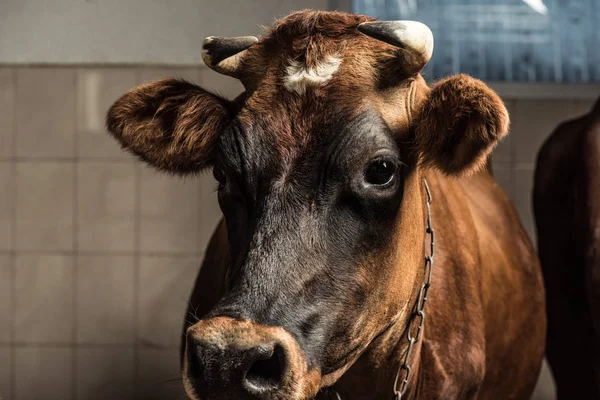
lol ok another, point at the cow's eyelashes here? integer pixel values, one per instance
(380, 173)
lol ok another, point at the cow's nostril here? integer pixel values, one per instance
(267, 371)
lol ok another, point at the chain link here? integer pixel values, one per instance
(418, 316)
(331, 393)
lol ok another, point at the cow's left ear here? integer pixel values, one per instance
(459, 124)
(171, 124)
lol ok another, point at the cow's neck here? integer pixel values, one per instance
(373, 375)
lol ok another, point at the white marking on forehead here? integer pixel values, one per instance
(299, 77)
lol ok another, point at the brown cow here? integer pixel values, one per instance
(567, 212)
(314, 275)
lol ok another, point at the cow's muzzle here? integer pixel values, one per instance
(233, 359)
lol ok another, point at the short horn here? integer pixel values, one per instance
(224, 54)
(412, 36)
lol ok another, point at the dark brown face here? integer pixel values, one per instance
(311, 233)
(318, 166)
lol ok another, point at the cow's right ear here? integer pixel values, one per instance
(459, 124)
(171, 124)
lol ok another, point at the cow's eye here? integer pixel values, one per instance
(219, 174)
(380, 172)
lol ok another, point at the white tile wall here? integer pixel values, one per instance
(5, 373)
(545, 386)
(105, 299)
(522, 197)
(534, 121)
(503, 175)
(7, 188)
(7, 112)
(45, 205)
(49, 95)
(168, 205)
(106, 206)
(153, 73)
(6, 307)
(43, 373)
(221, 84)
(97, 89)
(96, 249)
(165, 283)
(105, 373)
(44, 292)
(159, 375)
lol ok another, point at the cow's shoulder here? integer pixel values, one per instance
(591, 141)
(455, 372)
(562, 153)
(567, 176)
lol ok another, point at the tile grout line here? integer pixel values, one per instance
(13, 256)
(46, 159)
(85, 345)
(75, 244)
(100, 253)
(136, 267)
(136, 281)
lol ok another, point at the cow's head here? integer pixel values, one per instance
(318, 164)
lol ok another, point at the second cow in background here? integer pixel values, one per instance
(567, 213)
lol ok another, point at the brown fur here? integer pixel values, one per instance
(309, 35)
(170, 124)
(461, 122)
(567, 212)
(485, 326)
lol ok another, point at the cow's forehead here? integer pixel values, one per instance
(287, 130)
(320, 114)
(313, 72)
(311, 49)
(271, 141)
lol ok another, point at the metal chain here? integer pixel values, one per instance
(418, 316)
(332, 393)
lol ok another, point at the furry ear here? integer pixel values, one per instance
(171, 124)
(459, 125)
